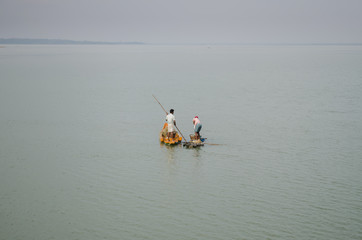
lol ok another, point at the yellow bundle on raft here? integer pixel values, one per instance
(170, 141)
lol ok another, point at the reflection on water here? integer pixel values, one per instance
(175, 153)
(170, 151)
(196, 153)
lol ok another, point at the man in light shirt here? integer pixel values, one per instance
(171, 122)
(197, 126)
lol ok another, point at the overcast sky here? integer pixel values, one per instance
(185, 21)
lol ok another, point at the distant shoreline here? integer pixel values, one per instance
(27, 41)
(30, 41)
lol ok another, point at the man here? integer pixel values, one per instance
(171, 122)
(197, 127)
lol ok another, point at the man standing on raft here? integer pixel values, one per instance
(171, 122)
(197, 127)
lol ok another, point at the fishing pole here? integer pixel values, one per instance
(167, 113)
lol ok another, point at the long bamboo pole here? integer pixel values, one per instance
(167, 113)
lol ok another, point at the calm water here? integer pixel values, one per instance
(80, 156)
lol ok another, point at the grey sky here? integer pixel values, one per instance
(185, 21)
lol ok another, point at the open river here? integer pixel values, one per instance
(80, 156)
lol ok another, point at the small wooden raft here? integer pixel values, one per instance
(194, 142)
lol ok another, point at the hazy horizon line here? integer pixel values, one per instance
(50, 41)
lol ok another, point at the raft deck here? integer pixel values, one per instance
(193, 144)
